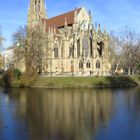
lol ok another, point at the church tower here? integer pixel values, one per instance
(36, 11)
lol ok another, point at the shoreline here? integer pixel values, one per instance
(81, 82)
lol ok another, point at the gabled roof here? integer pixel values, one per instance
(59, 21)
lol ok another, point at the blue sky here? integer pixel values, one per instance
(115, 14)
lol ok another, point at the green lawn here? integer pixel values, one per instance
(77, 82)
(85, 81)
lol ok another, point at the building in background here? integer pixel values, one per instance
(10, 60)
(74, 45)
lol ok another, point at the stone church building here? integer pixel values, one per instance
(75, 46)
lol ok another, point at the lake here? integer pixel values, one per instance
(70, 114)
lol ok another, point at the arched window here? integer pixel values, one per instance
(98, 64)
(80, 65)
(35, 2)
(37, 5)
(100, 48)
(88, 64)
(91, 47)
(78, 48)
(46, 66)
(71, 51)
(56, 52)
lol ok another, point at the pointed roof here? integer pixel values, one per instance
(59, 21)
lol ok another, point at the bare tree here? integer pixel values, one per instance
(125, 50)
(1, 40)
(115, 51)
(29, 45)
(1, 48)
(130, 49)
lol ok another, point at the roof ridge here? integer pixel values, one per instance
(65, 13)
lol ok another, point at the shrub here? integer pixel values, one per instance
(8, 77)
(27, 79)
(16, 73)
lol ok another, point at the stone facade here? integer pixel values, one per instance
(74, 46)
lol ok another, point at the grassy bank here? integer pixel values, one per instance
(77, 82)
(84, 82)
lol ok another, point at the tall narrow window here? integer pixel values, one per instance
(78, 48)
(100, 48)
(91, 49)
(71, 51)
(37, 5)
(80, 65)
(56, 52)
(88, 64)
(35, 2)
(98, 64)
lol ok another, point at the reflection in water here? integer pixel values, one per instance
(68, 114)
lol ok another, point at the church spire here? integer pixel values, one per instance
(36, 11)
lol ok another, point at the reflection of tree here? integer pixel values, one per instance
(132, 98)
(12, 126)
(67, 114)
(1, 120)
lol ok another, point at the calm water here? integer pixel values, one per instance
(70, 114)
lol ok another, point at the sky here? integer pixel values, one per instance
(114, 14)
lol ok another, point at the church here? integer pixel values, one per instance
(76, 47)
